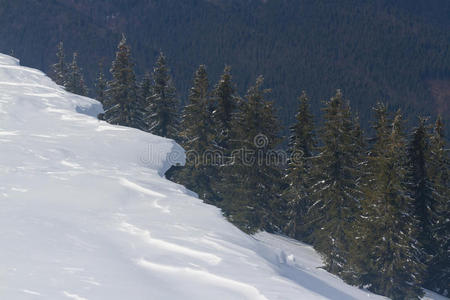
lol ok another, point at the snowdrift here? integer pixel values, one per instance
(86, 214)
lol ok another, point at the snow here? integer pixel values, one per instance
(86, 214)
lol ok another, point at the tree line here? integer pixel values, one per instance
(376, 208)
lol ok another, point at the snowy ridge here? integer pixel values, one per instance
(86, 214)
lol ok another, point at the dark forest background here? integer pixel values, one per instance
(394, 51)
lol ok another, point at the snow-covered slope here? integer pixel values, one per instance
(85, 213)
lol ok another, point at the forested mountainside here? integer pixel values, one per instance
(395, 51)
(103, 223)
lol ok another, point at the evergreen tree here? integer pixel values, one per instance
(59, 69)
(100, 85)
(421, 188)
(350, 272)
(251, 185)
(302, 145)
(196, 136)
(387, 233)
(163, 118)
(356, 271)
(74, 81)
(335, 192)
(438, 276)
(123, 107)
(227, 103)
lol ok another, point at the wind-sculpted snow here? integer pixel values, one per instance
(86, 214)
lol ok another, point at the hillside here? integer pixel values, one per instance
(396, 51)
(85, 213)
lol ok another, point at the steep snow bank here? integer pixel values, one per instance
(85, 213)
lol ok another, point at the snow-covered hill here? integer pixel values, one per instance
(85, 213)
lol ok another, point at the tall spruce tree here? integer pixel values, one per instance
(350, 271)
(74, 80)
(438, 275)
(421, 188)
(226, 105)
(335, 192)
(302, 146)
(387, 228)
(59, 69)
(356, 271)
(252, 181)
(163, 117)
(224, 109)
(196, 136)
(123, 107)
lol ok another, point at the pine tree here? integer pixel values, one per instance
(335, 192)
(387, 233)
(251, 185)
(438, 276)
(356, 271)
(74, 81)
(123, 107)
(227, 103)
(196, 134)
(100, 85)
(421, 188)
(302, 145)
(223, 112)
(196, 137)
(163, 118)
(350, 272)
(59, 69)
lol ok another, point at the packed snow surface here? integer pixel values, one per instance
(86, 214)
